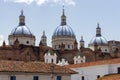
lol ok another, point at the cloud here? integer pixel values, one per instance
(1, 39)
(20, 1)
(41, 2)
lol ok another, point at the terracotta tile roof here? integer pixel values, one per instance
(32, 67)
(102, 62)
(110, 77)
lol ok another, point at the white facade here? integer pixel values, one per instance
(104, 48)
(68, 43)
(50, 58)
(30, 76)
(63, 62)
(92, 72)
(23, 39)
(79, 59)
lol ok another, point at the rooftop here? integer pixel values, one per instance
(110, 77)
(87, 64)
(32, 67)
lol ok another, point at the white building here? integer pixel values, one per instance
(94, 70)
(50, 57)
(19, 70)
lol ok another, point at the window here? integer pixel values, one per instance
(35, 78)
(59, 46)
(27, 42)
(118, 70)
(81, 61)
(83, 78)
(12, 77)
(98, 76)
(68, 46)
(52, 61)
(59, 78)
(105, 50)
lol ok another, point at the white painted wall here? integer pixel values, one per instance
(65, 40)
(29, 76)
(22, 40)
(48, 58)
(91, 72)
(103, 48)
(113, 68)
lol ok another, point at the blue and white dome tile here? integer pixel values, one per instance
(21, 30)
(63, 30)
(99, 40)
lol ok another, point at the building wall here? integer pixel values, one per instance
(66, 41)
(22, 40)
(92, 72)
(103, 48)
(29, 76)
(113, 68)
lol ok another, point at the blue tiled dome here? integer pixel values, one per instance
(63, 30)
(99, 40)
(21, 30)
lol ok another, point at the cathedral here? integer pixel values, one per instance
(64, 48)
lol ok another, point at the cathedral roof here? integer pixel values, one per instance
(98, 39)
(95, 63)
(21, 29)
(63, 30)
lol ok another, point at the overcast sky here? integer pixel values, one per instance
(82, 16)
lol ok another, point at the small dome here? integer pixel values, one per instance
(63, 30)
(21, 30)
(99, 40)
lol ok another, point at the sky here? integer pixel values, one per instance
(82, 16)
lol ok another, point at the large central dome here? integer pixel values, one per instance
(21, 33)
(63, 36)
(63, 30)
(21, 30)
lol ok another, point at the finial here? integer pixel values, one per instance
(43, 32)
(63, 18)
(98, 24)
(22, 12)
(81, 38)
(63, 10)
(21, 19)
